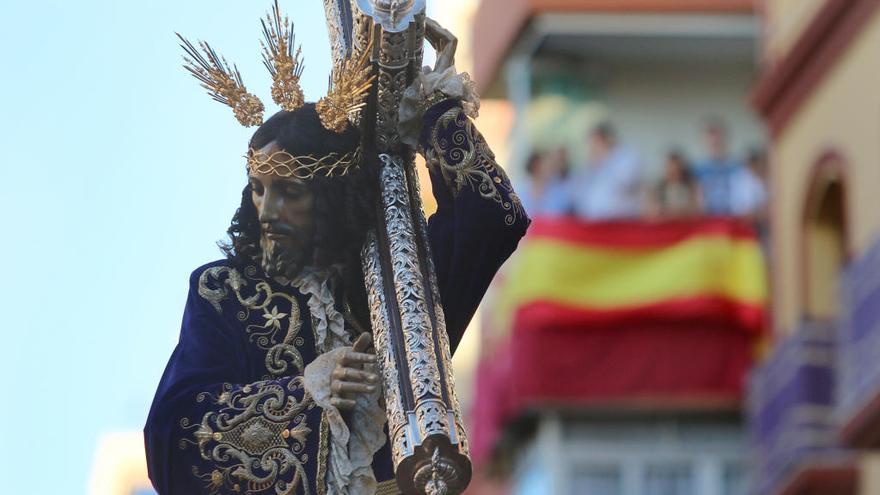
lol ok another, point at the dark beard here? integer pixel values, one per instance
(280, 261)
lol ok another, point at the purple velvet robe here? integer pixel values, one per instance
(231, 415)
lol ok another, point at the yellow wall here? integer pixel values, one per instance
(869, 473)
(843, 113)
(784, 22)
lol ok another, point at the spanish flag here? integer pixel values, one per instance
(652, 315)
(620, 273)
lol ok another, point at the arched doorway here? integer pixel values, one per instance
(825, 238)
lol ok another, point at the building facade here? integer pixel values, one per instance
(815, 411)
(589, 382)
(656, 68)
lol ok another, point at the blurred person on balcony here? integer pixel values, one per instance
(544, 192)
(728, 187)
(750, 193)
(677, 194)
(608, 186)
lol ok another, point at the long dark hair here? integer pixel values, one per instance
(343, 207)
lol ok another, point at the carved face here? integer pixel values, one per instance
(287, 226)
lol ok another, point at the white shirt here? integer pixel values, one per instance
(609, 189)
(748, 193)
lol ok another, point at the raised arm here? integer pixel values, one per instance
(479, 219)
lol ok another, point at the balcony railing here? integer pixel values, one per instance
(791, 414)
(859, 351)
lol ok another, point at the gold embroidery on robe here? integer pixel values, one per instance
(388, 488)
(464, 159)
(276, 332)
(323, 455)
(257, 438)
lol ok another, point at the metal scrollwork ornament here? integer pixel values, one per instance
(428, 441)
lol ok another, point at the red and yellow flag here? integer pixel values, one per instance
(600, 274)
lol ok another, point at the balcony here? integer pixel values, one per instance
(795, 444)
(859, 347)
(620, 316)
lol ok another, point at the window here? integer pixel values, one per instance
(825, 238)
(734, 479)
(634, 456)
(669, 480)
(596, 480)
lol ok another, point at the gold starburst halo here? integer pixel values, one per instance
(306, 167)
(285, 65)
(349, 87)
(223, 83)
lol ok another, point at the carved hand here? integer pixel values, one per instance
(444, 43)
(349, 377)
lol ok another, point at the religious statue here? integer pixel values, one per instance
(275, 386)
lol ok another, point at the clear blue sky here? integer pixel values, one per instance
(119, 176)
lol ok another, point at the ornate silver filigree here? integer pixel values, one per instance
(380, 321)
(432, 411)
(336, 31)
(423, 372)
(460, 435)
(428, 443)
(392, 15)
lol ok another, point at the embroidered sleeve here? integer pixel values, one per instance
(208, 432)
(479, 218)
(457, 153)
(252, 438)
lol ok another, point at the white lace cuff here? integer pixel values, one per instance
(419, 95)
(352, 443)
